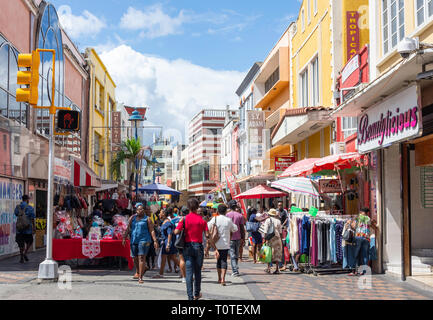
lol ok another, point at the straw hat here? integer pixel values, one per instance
(273, 213)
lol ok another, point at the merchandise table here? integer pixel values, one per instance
(68, 249)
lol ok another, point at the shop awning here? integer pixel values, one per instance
(300, 123)
(332, 162)
(83, 176)
(257, 177)
(396, 78)
(107, 187)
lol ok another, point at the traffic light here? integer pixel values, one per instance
(30, 77)
(68, 120)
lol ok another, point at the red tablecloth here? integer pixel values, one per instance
(68, 249)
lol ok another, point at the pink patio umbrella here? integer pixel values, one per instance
(261, 192)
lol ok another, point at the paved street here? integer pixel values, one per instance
(20, 282)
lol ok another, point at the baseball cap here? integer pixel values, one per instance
(233, 204)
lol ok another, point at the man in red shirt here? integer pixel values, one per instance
(193, 252)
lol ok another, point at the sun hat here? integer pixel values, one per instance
(273, 212)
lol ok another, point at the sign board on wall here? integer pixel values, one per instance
(282, 163)
(116, 132)
(394, 120)
(352, 33)
(330, 186)
(256, 134)
(11, 192)
(235, 190)
(62, 171)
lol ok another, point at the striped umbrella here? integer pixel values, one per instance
(297, 185)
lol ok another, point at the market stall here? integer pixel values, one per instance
(68, 249)
(339, 178)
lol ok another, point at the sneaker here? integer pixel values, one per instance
(235, 274)
(183, 280)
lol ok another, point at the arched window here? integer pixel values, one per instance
(49, 36)
(9, 107)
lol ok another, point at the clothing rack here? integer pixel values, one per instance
(327, 267)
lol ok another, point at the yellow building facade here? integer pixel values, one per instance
(318, 49)
(102, 102)
(272, 93)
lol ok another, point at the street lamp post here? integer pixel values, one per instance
(136, 117)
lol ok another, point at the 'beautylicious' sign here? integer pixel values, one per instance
(396, 119)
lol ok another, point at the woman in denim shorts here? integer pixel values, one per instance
(140, 231)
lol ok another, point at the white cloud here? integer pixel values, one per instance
(153, 22)
(76, 26)
(174, 90)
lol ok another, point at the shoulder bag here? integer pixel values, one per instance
(214, 234)
(180, 240)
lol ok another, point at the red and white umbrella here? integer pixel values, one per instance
(261, 192)
(298, 168)
(333, 162)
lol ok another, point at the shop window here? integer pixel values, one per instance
(392, 23)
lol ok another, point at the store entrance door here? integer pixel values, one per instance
(41, 204)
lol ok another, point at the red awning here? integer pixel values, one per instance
(333, 162)
(83, 176)
(261, 192)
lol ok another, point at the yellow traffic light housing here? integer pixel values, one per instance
(29, 77)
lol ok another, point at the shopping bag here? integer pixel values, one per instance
(252, 226)
(158, 262)
(265, 254)
(286, 254)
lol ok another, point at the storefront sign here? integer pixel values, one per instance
(396, 119)
(235, 190)
(256, 130)
(352, 33)
(349, 69)
(282, 163)
(62, 171)
(330, 186)
(116, 138)
(11, 192)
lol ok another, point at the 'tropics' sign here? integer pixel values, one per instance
(397, 119)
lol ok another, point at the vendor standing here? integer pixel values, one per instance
(141, 232)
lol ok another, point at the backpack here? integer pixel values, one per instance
(214, 234)
(23, 222)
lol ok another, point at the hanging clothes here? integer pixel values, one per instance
(306, 227)
(339, 240)
(333, 245)
(294, 245)
(313, 258)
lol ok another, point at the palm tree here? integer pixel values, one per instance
(130, 151)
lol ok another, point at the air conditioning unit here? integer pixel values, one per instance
(338, 148)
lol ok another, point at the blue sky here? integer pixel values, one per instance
(188, 54)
